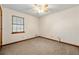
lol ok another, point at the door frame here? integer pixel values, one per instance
(1, 25)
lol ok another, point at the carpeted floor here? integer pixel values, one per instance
(39, 46)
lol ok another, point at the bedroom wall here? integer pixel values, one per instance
(30, 24)
(63, 25)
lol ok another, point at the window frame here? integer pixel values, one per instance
(17, 24)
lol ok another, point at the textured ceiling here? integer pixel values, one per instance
(28, 8)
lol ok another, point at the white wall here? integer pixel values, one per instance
(30, 23)
(64, 25)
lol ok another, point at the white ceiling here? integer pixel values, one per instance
(28, 9)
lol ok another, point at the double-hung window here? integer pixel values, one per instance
(17, 24)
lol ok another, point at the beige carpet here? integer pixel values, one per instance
(39, 46)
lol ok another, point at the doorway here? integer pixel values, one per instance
(0, 27)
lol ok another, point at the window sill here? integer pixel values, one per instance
(17, 32)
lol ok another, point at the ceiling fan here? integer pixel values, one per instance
(40, 8)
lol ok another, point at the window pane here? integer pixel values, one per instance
(14, 20)
(18, 28)
(18, 21)
(21, 20)
(22, 28)
(14, 28)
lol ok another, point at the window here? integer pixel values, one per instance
(17, 24)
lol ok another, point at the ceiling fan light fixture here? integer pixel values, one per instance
(40, 8)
